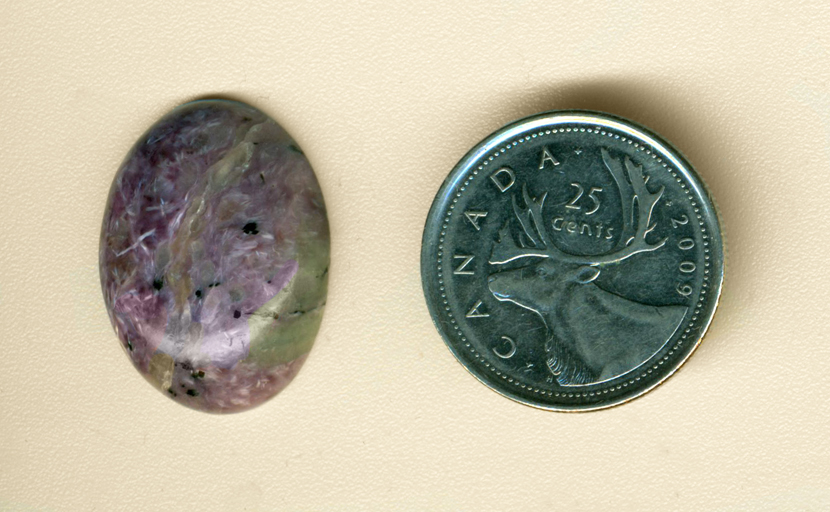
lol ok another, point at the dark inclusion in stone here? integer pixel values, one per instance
(214, 256)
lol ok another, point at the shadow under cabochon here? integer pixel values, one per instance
(214, 256)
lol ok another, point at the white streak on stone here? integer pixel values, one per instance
(136, 244)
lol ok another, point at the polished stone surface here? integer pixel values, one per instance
(214, 256)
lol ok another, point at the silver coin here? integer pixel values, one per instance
(572, 260)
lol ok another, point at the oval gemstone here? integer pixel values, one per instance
(214, 256)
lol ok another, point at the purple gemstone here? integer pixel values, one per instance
(214, 256)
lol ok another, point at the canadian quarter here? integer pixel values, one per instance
(572, 260)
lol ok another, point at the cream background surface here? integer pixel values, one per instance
(384, 98)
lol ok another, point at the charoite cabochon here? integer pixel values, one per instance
(214, 256)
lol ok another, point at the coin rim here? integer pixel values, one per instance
(546, 119)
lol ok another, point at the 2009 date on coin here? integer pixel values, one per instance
(572, 260)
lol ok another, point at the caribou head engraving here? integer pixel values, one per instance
(593, 335)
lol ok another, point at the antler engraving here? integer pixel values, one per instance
(633, 239)
(636, 223)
